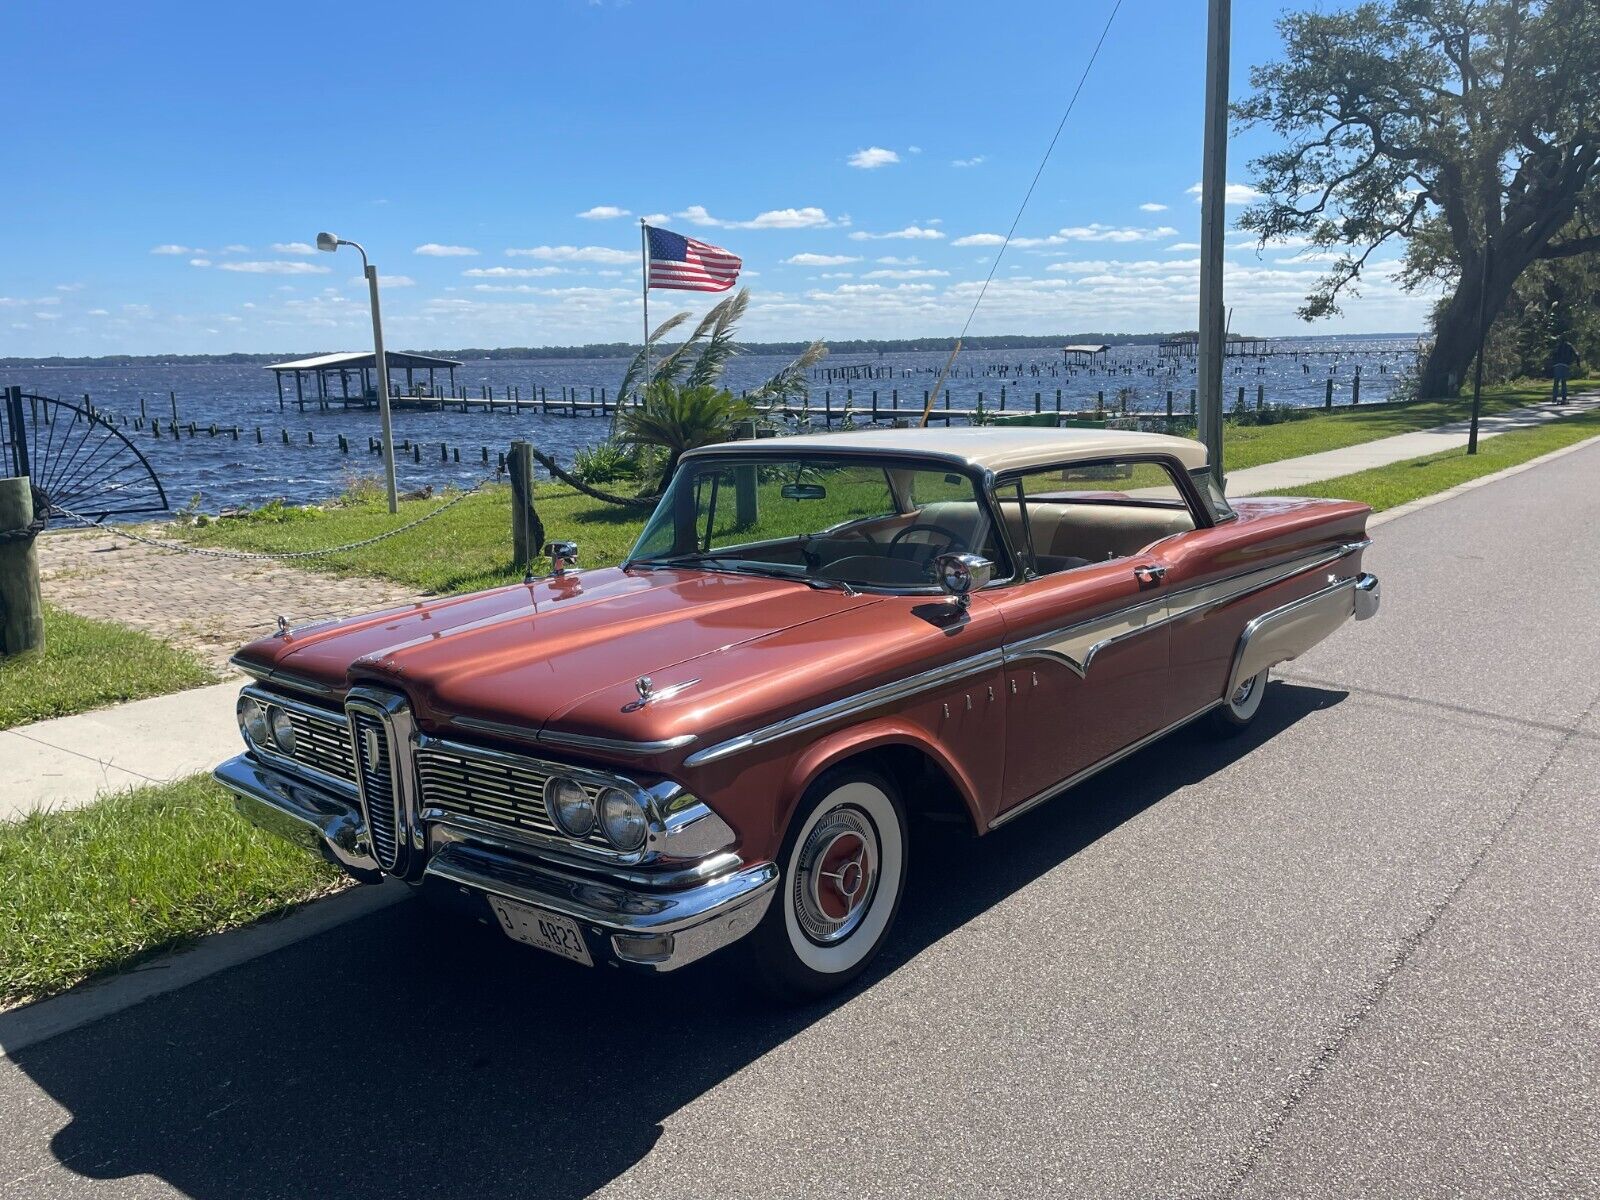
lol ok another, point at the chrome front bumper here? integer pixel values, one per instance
(659, 930)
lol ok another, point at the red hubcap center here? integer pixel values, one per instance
(842, 876)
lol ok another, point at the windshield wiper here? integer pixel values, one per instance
(744, 566)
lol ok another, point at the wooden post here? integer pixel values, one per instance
(527, 531)
(1355, 388)
(21, 606)
(1327, 399)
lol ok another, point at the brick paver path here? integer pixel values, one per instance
(209, 605)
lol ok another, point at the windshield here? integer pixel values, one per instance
(875, 523)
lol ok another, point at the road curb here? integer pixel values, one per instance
(46, 1019)
(1412, 506)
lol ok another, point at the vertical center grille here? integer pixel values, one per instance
(381, 746)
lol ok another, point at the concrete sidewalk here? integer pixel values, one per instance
(1331, 464)
(69, 761)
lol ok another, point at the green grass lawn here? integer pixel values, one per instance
(88, 664)
(469, 546)
(94, 890)
(1398, 483)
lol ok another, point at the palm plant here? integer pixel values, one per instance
(679, 418)
(675, 404)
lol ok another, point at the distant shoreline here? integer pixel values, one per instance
(856, 346)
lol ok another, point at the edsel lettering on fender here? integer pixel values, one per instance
(814, 640)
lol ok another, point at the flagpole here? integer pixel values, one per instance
(644, 275)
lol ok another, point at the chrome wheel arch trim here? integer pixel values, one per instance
(850, 706)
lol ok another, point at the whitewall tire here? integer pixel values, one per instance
(842, 874)
(1239, 710)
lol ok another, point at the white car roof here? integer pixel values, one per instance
(992, 448)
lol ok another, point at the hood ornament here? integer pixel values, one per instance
(283, 625)
(649, 693)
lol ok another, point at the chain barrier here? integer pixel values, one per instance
(268, 555)
(26, 534)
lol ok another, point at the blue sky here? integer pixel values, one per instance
(171, 162)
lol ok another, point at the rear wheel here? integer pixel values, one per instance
(1236, 714)
(843, 870)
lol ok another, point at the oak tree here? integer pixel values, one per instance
(1468, 129)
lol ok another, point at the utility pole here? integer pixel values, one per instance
(1213, 223)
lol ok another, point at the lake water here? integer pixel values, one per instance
(223, 472)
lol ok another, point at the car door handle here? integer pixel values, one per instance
(1150, 574)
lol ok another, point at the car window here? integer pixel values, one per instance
(1066, 517)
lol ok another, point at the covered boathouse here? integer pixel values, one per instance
(350, 378)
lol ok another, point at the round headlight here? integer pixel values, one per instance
(623, 820)
(252, 721)
(569, 806)
(282, 731)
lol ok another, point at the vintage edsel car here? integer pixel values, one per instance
(814, 640)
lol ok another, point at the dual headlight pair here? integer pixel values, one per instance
(266, 726)
(620, 817)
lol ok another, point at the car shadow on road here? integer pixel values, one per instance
(409, 1053)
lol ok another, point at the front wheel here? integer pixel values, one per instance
(1235, 714)
(843, 867)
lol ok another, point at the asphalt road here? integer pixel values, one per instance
(1355, 953)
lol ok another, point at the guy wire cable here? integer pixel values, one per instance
(927, 407)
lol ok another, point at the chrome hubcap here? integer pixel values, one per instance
(1242, 696)
(836, 876)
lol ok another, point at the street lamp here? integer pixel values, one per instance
(380, 362)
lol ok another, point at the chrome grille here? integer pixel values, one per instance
(504, 789)
(322, 741)
(373, 760)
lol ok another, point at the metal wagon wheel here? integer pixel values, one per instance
(76, 460)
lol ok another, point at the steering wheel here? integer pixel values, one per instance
(952, 541)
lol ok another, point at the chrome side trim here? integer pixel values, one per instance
(1367, 596)
(1056, 789)
(850, 706)
(1076, 645)
(577, 741)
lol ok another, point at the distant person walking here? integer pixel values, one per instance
(1562, 360)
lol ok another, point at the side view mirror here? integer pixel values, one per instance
(962, 574)
(561, 555)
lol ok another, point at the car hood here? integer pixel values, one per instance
(520, 656)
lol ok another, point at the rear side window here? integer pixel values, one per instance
(1063, 518)
(1206, 483)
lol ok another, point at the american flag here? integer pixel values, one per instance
(682, 264)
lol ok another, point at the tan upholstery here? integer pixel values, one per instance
(1072, 531)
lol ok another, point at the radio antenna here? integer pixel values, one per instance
(927, 407)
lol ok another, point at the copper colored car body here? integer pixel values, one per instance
(763, 718)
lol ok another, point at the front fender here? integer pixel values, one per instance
(834, 748)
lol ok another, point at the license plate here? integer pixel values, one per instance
(542, 928)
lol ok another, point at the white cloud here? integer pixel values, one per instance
(47, 316)
(275, 268)
(809, 217)
(590, 254)
(293, 248)
(604, 212)
(1097, 232)
(914, 149)
(69, 287)
(975, 160)
(1233, 193)
(512, 272)
(910, 233)
(98, 312)
(821, 260)
(837, 275)
(655, 218)
(435, 250)
(1152, 206)
(979, 239)
(889, 260)
(914, 273)
(1183, 247)
(170, 248)
(873, 157)
(201, 262)
(236, 248)
(388, 281)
